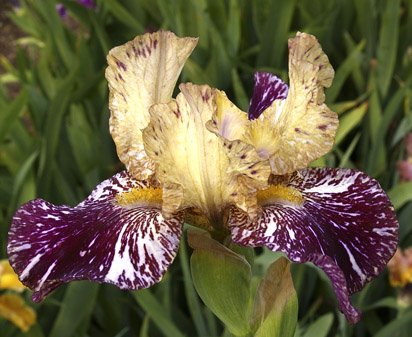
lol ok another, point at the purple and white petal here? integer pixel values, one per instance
(345, 216)
(100, 240)
(339, 285)
(268, 87)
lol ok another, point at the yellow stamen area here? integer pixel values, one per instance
(280, 193)
(137, 196)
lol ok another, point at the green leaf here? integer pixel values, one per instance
(400, 194)
(392, 329)
(222, 279)
(349, 121)
(10, 113)
(320, 327)
(357, 75)
(20, 181)
(242, 100)
(405, 126)
(157, 312)
(233, 27)
(387, 302)
(101, 34)
(76, 308)
(275, 311)
(343, 72)
(35, 331)
(144, 330)
(123, 15)
(344, 157)
(388, 45)
(54, 123)
(375, 111)
(366, 21)
(191, 295)
(279, 13)
(377, 154)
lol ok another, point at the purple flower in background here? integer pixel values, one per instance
(405, 169)
(89, 4)
(405, 166)
(15, 3)
(61, 10)
(198, 156)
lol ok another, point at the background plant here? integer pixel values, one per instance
(55, 144)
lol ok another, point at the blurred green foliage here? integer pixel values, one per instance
(55, 143)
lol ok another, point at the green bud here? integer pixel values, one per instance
(275, 312)
(222, 279)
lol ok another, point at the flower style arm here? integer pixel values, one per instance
(267, 89)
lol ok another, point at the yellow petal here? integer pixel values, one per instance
(14, 309)
(141, 73)
(300, 129)
(194, 166)
(251, 174)
(229, 123)
(8, 278)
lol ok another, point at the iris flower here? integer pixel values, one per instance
(12, 306)
(198, 158)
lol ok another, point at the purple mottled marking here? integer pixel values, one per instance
(346, 226)
(120, 64)
(268, 87)
(98, 240)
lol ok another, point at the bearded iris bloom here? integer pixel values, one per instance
(198, 158)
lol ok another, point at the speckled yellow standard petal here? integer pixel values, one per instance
(251, 174)
(230, 123)
(8, 278)
(300, 129)
(194, 167)
(141, 73)
(13, 308)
